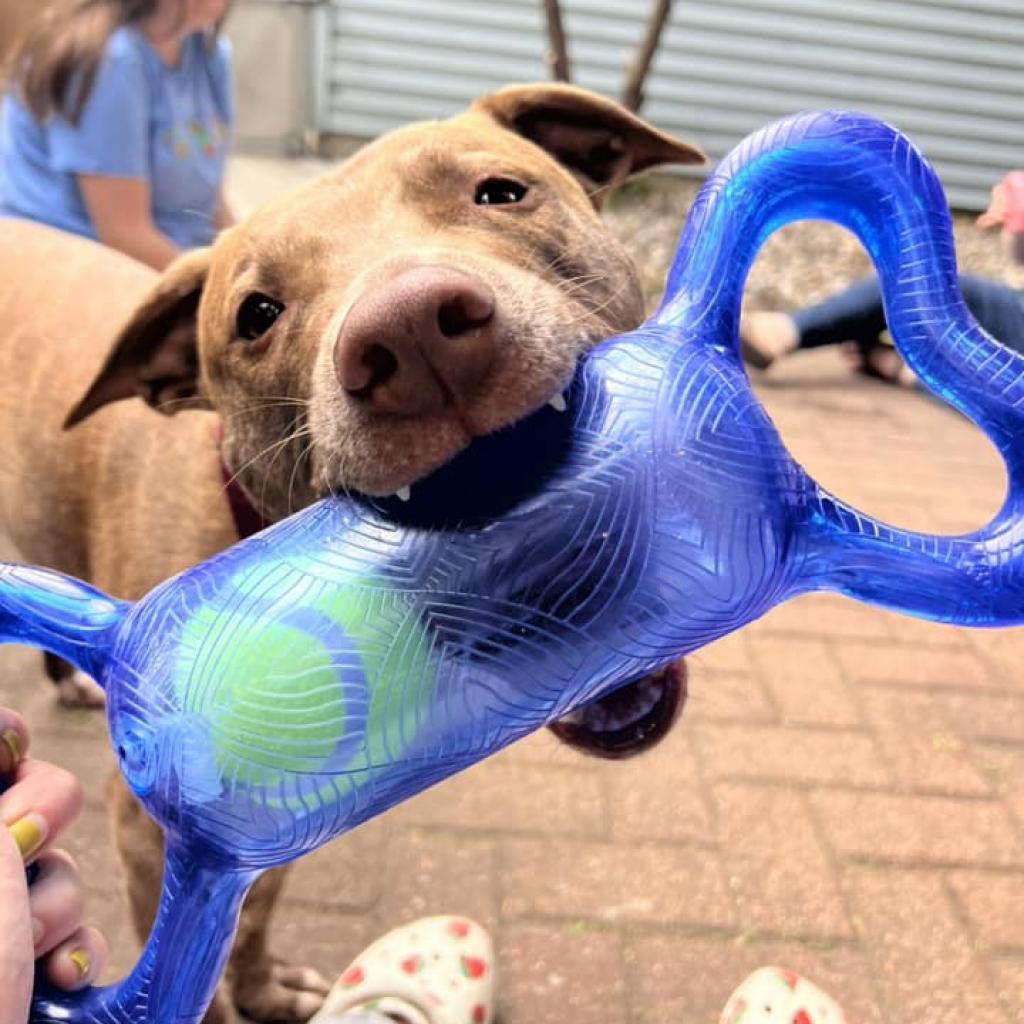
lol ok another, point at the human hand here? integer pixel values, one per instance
(43, 922)
(994, 216)
(1006, 205)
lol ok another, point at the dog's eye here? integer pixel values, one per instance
(256, 315)
(499, 191)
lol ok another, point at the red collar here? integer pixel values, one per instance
(244, 514)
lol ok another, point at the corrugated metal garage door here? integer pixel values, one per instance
(948, 72)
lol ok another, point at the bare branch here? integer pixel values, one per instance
(633, 91)
(557, 57)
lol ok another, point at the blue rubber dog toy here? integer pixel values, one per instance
(320, 672)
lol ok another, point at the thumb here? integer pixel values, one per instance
(16, 948)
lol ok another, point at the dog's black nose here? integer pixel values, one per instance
(418, 342)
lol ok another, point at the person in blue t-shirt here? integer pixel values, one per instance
(117, 123)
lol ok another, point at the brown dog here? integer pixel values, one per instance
(354, 334)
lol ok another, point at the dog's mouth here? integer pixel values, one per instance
(494, 473)
(629, 720)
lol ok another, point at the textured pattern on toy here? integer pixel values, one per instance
(316, 674)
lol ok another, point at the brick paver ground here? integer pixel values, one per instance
(845, 795)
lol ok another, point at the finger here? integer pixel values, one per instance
(41, 803)
(13, 740)
(79, 960)
(851, 353)
(56, 901)
(15, 931)
(996, 211)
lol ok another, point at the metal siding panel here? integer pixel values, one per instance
(948, 72)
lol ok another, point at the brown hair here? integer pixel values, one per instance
(55, 66)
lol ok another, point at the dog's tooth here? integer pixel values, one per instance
(404, 493)
(558, 403)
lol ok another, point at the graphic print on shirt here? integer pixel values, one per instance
(205, 139)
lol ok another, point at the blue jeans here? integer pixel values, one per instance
(856, 314)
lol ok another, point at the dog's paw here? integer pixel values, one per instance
(220, 1010)
(281, 992)
(79, 691)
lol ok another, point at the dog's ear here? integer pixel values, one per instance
(598, 141)
(155, 355)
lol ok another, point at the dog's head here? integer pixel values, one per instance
(358, 332)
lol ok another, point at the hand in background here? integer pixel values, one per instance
(994, 216)
(1006, 210)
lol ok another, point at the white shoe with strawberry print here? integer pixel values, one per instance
(774, 995)
(438, 970)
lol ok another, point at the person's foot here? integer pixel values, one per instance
(881, 361)
(774, 995)
(766, 336)
(438, 970)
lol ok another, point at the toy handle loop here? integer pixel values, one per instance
(869, 178)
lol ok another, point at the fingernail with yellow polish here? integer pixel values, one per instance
(80, 959)
(28, 833)
(10, 748)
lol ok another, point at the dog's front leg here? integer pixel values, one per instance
(263, 987)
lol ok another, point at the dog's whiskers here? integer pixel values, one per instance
(301, 430)
(596, 311)
(233, 478)
(299, 461)
(295, 436)
(574, 285)
(271, 402)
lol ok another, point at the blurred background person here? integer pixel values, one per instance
(116, 124)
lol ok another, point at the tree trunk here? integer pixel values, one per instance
(557, 57)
